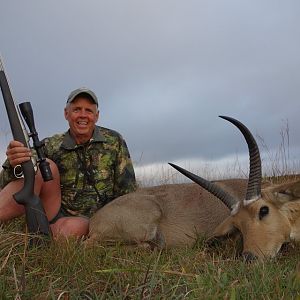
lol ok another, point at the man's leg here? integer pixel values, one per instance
(70, 226)
(49, 193)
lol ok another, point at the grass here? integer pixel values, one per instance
(69, 270)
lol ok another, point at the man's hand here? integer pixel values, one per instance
(17, 153)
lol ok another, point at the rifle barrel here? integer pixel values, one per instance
(36, 218)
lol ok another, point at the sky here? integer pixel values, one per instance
(163, 70)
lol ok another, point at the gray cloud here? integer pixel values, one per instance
(164, 70)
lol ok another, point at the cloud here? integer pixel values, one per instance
(163, 70)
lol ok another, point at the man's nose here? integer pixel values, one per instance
(82, 113)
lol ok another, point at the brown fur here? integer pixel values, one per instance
(175, 215)
(264, 237)
(167, 216)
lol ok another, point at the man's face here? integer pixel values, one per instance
(82, 115)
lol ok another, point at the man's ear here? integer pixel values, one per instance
(66, 113)
(97, 116)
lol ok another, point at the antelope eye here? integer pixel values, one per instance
(264, 210)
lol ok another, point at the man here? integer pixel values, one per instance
(90, 164)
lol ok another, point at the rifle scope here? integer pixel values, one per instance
(44, 166)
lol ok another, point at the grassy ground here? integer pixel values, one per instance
(68, 270)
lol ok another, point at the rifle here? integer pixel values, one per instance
(36, 219)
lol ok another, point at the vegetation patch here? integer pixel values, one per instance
(69, 270)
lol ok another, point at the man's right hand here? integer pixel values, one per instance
(17, 153)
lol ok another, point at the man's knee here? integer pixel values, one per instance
(53, 167)
(70, 226)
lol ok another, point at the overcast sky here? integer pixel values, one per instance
(163, 71)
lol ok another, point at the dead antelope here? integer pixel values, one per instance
(175, 215)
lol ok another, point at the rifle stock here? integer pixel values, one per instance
(36, 218)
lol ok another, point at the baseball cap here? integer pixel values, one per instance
(82, 90)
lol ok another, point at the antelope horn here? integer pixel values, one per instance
(211, 187)
(254, 183)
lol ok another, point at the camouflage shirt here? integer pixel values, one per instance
(91, 174)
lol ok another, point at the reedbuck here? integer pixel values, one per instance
(176, 214)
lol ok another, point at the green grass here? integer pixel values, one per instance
(69, 270)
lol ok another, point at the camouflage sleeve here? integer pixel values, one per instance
(6, 174)
(124, 173)
(47, 146)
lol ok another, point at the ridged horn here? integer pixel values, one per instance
(211, 187)
(255, 173)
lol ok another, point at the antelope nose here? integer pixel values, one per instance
(249, 257)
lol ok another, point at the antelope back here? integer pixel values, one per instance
(189, 210)
(177, 212)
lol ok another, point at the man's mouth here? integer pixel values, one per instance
(82, 123)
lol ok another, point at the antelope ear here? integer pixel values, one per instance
(283, 193)
(225, 229)
(294, 189)
(222, 232)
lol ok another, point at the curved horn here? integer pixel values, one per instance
(254, 183)
(211, 187)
